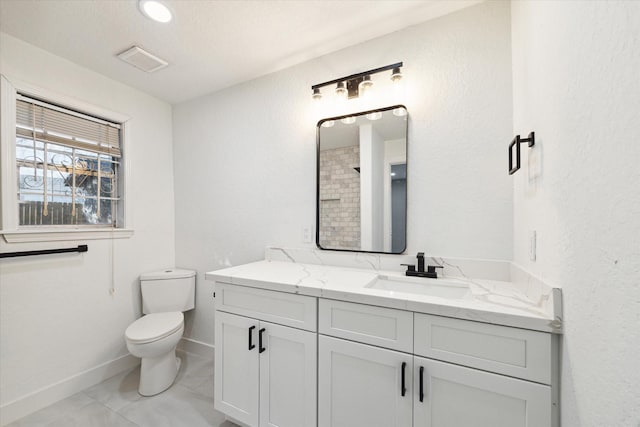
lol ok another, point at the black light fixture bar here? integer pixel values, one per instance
(80, 248)
(358, 75)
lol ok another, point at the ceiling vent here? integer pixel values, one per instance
(142, 59)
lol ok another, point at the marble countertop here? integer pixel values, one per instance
(489, 301)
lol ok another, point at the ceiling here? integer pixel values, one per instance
(210, 44)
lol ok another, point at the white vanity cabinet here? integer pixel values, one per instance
(365, 365)
(333, 363)
(448, 395)
(361, 385)
(265, 373)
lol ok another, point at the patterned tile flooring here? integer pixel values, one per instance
(115, 402)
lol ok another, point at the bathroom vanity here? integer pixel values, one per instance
(301, 344)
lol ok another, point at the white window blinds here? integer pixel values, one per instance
(48, 123)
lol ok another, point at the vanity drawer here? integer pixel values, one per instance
(515, 352)
(298, 311)
(383, 327)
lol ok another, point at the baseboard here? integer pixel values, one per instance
(45, 396)
(196, 347)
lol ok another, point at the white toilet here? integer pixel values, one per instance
(154, 337)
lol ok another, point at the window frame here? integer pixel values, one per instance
(9, 225)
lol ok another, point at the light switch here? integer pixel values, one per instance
(307, 234)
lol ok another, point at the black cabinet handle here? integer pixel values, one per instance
(421, 383)
(260, 347)
(403, 389)
(251, 344)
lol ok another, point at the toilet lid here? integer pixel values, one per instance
(154, 326)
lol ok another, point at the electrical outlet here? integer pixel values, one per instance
(532, 245)
(307, 234)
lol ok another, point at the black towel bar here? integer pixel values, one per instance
(80, 248)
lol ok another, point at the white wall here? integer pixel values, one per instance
(244, 157)
(57, 317)
(371, 188)
(576, 79)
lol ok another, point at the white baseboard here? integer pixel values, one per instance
(196, 347)
(45, 396)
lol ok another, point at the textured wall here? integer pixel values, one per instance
(576, 79)
(245, 156)
(340, 198)
(57, 316)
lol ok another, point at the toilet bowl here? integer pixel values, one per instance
(166, 294)
(154, 338)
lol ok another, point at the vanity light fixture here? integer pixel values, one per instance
(328, 123)
(358, 84)
(396, 75)
(374, 116)
(365, 85)
(348, 120)
(341, 91)
(317, 96)
(399, 112)
(156, 10)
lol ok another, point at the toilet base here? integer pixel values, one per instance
(158, 373)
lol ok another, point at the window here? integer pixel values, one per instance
(64, 172)
(67, 166)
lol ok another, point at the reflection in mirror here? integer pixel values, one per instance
(362, 181)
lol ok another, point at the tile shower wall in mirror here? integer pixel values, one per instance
(362, 181)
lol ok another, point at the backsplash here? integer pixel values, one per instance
(454, 267)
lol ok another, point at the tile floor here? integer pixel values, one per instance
(115, 402)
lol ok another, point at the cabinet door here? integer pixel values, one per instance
(361, 386)
(236, 368)
(455, 396)
(287, 377)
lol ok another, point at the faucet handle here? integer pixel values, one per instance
(410, 267)
(432, 268)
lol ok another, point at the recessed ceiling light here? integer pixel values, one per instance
(155, 10)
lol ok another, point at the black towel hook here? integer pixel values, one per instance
(530, 140)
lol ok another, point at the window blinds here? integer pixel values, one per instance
(48, 123)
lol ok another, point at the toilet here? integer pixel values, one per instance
(154, 336)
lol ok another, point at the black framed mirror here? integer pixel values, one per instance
(361, 184)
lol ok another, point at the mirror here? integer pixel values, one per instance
(362, 181)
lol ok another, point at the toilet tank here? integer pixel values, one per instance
(172, 289)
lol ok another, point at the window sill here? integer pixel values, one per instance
(50, 235)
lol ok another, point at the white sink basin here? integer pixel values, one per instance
(443, 288)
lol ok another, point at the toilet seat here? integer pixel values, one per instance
(154, 326)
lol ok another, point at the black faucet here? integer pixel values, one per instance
(420, 257)
(431, 269)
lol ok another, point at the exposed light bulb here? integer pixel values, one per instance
(155, 10)
(316, 94)
(341, 91)
(396, 75)
(374, 116)
(365, 86)
(399, 112)
(348, 120)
